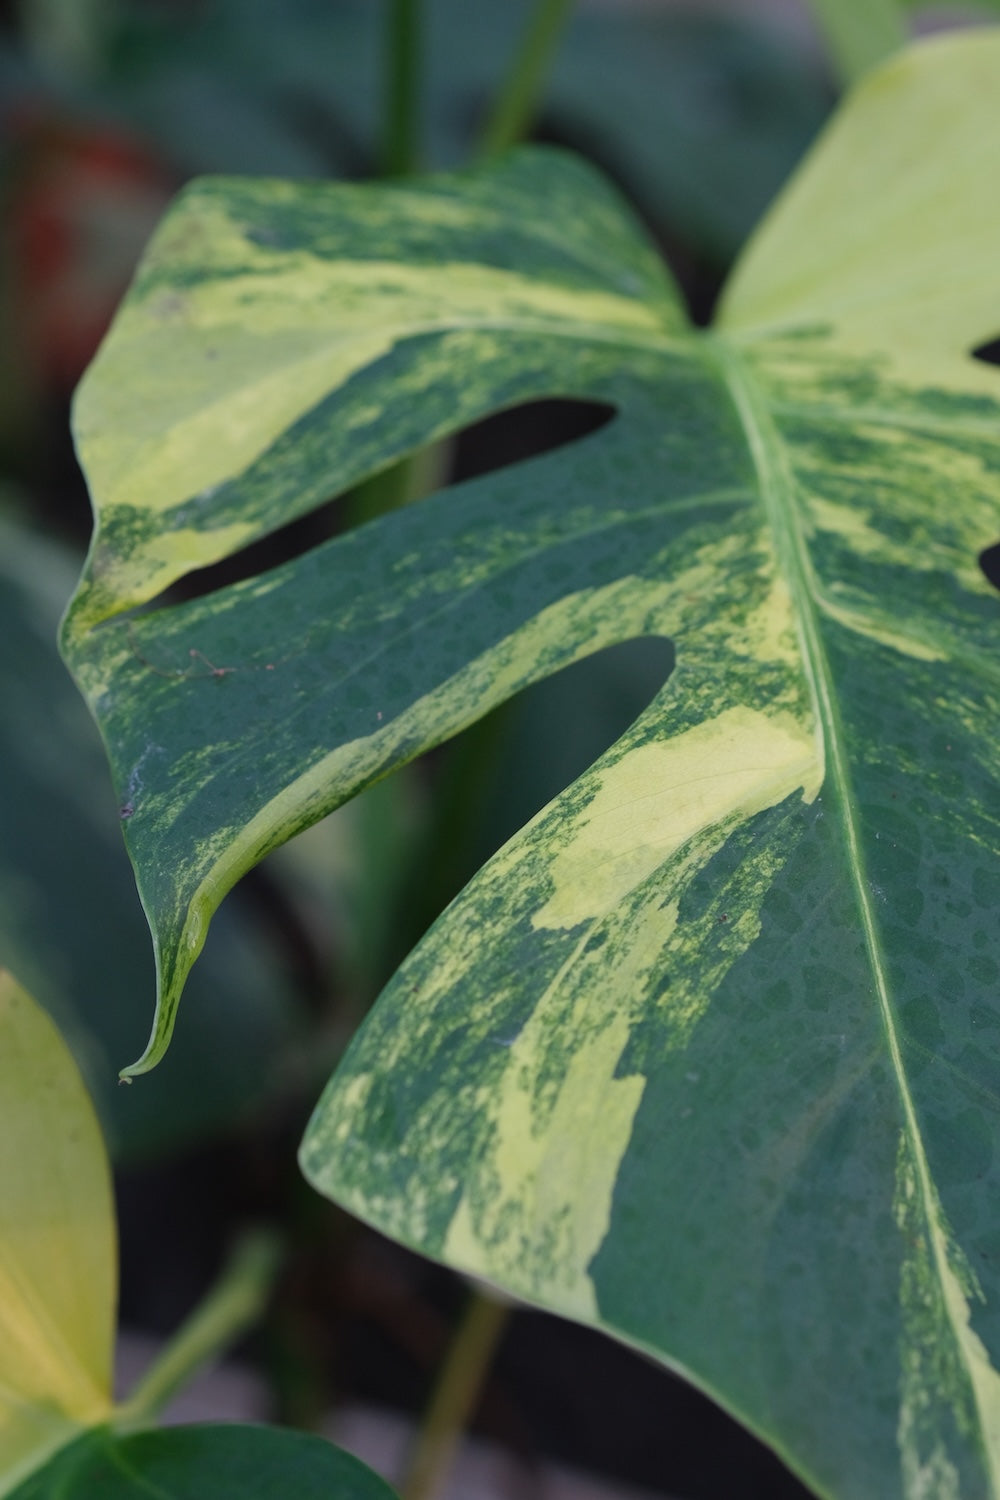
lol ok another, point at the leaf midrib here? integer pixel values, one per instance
(777, 491)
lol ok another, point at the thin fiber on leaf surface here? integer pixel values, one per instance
(233, 1462)
(58, 1256)
(706, 1055)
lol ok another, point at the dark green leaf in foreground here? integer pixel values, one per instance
(707, 1055)
(204, 1463)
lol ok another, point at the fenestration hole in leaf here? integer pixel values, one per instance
(989, 561)
(516, 760)
(500, 441)
(522, 432)
(989, 352)
(989, 558)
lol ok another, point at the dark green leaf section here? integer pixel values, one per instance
(195, 1463)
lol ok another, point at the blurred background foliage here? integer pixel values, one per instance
(106, 108)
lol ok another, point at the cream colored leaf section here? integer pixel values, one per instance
(656, 798)
(233, 426)
(888, 233)
(545, 1220)
(536, 1213)
(192, 386)
(58, 1258)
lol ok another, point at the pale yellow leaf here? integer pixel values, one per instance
(58, 1254)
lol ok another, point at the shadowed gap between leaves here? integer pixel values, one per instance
(500, 441)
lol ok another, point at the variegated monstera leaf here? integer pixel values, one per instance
(709, 1054)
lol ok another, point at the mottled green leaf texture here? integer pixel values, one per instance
(707, 1054)
(207, 1462)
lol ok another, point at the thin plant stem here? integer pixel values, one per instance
(455, 1396)
(399, 157)
(860, 34)
(401, 138)
(414, 477)
(517, 101)
(233, 1305)
(410, 479)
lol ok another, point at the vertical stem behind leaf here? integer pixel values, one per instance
(518, 98)
(399, 156)
(456, 1395)
(860, 33)
(401, 123)
(231, 1307)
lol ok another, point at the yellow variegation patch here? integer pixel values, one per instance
(659, 797)
(58, 1268)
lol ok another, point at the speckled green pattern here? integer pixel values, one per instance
(709, 1054)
